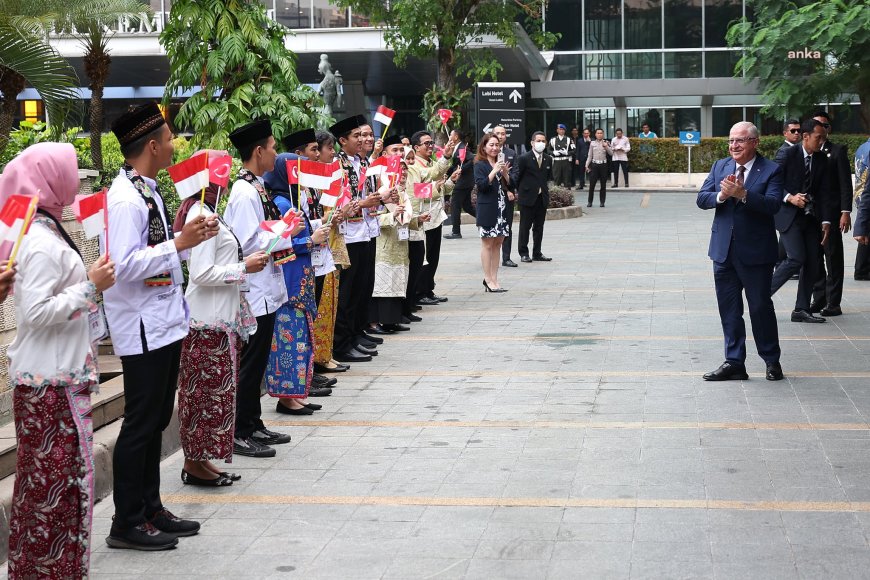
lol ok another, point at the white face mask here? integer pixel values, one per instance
(539, 147)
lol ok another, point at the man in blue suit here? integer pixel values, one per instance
(745, 190)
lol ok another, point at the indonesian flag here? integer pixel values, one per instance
(91, 211)
(190, 176)
(293, 172)
(444, 115)
(345, 197)
(336, 196)
(219, 170)
(15, 218)
(384, 115)
(282, 227)
(423, 190)
(318, 175)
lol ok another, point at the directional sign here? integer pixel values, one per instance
(502, 104)
(690, 137)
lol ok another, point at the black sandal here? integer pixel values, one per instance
(219, 481)
(230, 476)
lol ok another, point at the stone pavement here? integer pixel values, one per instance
(560, 430)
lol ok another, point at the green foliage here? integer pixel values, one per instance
(29, 133)
(838, 29)
(437, 98)
(235, 56)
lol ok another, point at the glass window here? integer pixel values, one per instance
(293, 13)
(325, 15)
(603, 25)
(637, 117)
(643, 24)
(682, 23)
(682, 65)
(677, 120)
(563, 16)
(724, 118)
(361, 20)
(718, 15)
(721, 63)
(643, 65)
(600, 119)
(567, 67)
(602, 67)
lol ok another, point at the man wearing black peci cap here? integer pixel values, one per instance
(249, 204)
(148, 320)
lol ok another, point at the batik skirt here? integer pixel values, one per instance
(291, 358)
(324, 324)
(52, 503)
(207, 383)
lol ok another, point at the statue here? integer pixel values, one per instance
(330, 86)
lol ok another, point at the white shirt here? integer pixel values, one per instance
(215, 276)
(357, 230)
(621, 146)
(747, 168)
(243, 214)
(328, 263)
(130, 304)
(52, 300)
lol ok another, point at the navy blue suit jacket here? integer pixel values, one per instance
(745, 229)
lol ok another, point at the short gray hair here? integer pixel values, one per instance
(753, 130)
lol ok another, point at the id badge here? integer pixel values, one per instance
(342, 228)
(317, 256)
(97, 328)
(403, 232)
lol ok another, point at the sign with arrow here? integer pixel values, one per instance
(502, 104)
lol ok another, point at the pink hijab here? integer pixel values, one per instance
(47, 170)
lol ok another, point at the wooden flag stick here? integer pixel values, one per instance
(31, 209)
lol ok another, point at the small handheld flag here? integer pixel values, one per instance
(445, 115)
(91, 211)
(15, 218)
(423, 190)
(461, 154)
(293, 172)
(336, 196)
(319, 175)
(219, 170)
(384, 115)
(362, 179)
(191, 175)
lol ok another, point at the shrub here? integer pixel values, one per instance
(560, 197)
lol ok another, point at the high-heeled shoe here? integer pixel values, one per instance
(485, 285)
(499, 289)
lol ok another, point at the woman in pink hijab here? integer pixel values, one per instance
(52, 365)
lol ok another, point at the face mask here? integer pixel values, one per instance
(539, 147)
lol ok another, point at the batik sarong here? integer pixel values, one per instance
(324, 324)
(207, 382)
(291, 358)
(52, 504)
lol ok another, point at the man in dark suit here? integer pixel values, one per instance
(791, 132)
(581, 152)
(804, 222)
(533, 196)
(828, 289)
(509, 158)
(746, 192)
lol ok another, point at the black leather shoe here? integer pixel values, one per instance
(542, 258)
(426, 301)
(405, 320)
(314, 406)
(525, 259)
(379, 329)
(832, 311)
(363, 342)
(319, 392)
(322, 381)
(319, 368)
(365, 350)
(727, 372)
(804, 316)
(862, 277)
(414, 318)
(168, 523)
(416, 308)
(372, 338)
(143, 537)
(250, 448)
(817, 307)
(188, 478)
(774, 371)
(351, 356)
(398, 327)
(439, 298)
(452, 236)
(509, 263)
(602, 205)
(285, 410)
(588, 205)
(265, 437)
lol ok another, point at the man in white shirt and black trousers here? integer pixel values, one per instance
(147, 319)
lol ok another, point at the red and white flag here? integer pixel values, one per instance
(92, 212)
(423, 190)
(384, 115)
(293, 171)
(319, 175)
(282, 227)
(190, 176)
(336, 196)
(445, 115)
(394, 164)
(362, 178)
(15, 219)
(219, 170)
(461, 154)
(385, 164)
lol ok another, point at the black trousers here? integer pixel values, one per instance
(862, 261)
(532, 217)
(828, 288)
(578, 174)
(252, 367)
(363, 314)
(508, 240)
(416, 253)
(460, 200)
(150, 381)
(562, 171)
(352, 280)
(426, 279)
(616, 166)
(802, 241)
(598, 172)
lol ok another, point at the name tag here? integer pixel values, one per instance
(317, 257)
(97, 328)
(342, 228)
(403, 233)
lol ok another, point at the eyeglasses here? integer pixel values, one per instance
(427, 143)
(794, 131)
(740, 141)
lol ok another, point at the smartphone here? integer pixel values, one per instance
(501, 156)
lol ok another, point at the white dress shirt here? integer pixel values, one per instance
(130, 304)
(621, 146)
(243, 214)
(747, 168)
(52, 299)
(357, 229)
